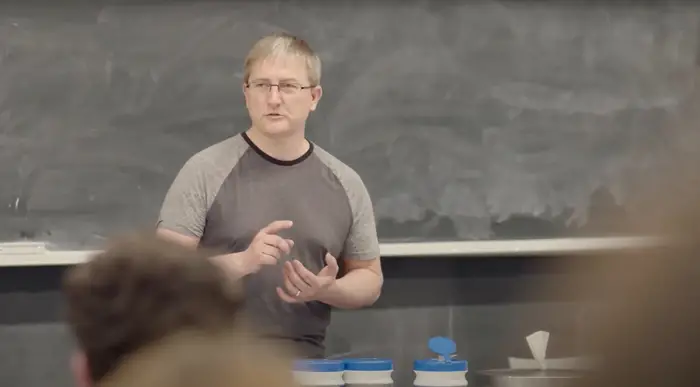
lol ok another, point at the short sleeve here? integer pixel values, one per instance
(185, 206)
(362, 242)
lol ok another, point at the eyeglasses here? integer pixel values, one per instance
(284, 87)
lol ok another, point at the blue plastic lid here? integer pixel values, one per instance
(443, 346)
(319, 365)
(434, 365)
(369, 364)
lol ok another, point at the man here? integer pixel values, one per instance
(138, 291)
(281, 209)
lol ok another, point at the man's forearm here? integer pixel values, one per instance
(233, 264)
(358, 288)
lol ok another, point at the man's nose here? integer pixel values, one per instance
(273, 95)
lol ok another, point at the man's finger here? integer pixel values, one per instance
(278, 242)
(289, 286)
(277, 226)
(271, 251)
(286, 297)
(294, 277)
(307, 276)
(331, 265)
(266, 259)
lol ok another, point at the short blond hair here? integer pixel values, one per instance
(282, 43)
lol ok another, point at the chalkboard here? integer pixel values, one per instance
(466, 120)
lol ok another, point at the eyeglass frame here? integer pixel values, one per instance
(279, 87)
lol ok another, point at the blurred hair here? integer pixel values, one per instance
(140, 289)
(194, 359)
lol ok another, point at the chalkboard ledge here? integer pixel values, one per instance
(36, 254)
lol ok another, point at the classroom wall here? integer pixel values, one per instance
(488, 305)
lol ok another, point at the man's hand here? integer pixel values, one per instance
(301, 285)
(265, 249)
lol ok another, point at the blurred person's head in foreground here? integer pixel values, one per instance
(137, 291)
(194, 359)
(647, 327)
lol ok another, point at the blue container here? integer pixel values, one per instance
(319, 365)
(435, 365)
(363, 372)
(319, 372)
(369, 364)
(443, 371)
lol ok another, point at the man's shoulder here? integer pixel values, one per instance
(340, 169)
(225, 152)
(209, 167)
(349, 179)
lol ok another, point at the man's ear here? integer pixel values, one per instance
(80, 369)
(244, 88)
(316, 94)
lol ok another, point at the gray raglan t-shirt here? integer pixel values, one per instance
(226, 193)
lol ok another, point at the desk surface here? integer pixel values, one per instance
(37, 254)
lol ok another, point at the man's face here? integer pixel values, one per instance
(278, 96)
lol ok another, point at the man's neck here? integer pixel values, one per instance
(284, 148)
